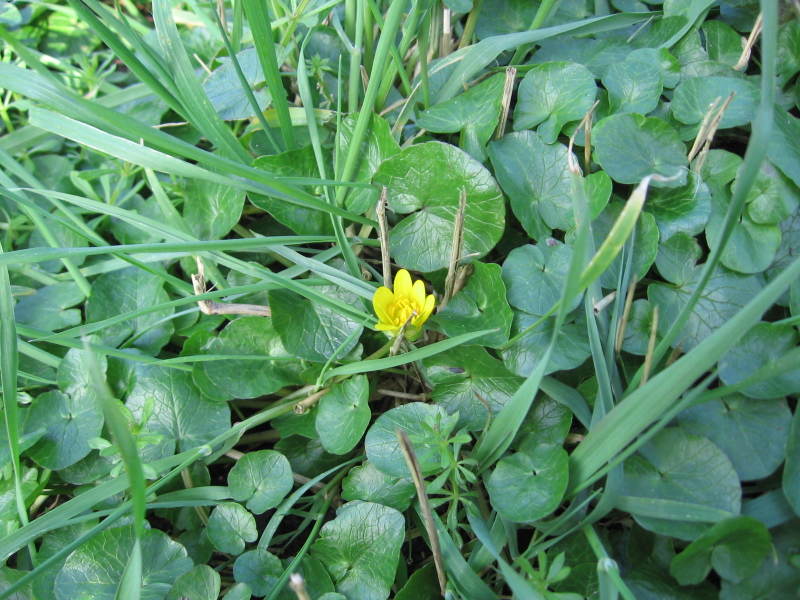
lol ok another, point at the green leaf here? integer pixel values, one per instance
(752, 246)
(525, 353)
(8, 510)
(259, 570)
(683, 209)
(722, 42)
(361, 548)
(233, 378)
(693, 97)
(210, 210)
(791, 470)
(763, 344)
(125, 291)
(480, 304)
(65, 237)
(426, 180)
(753, 435)
(262, 478)
(472, 383)
(344, 415)
(534, 276)
(529, 485)
(312, 331)
(504, 16)
(475, 113)
(421, 585)
(724, 295)
(176, 409)
(230, 526)
(130, 233)
(630, 147)
(638, 328)
(777, 577)
(633, 86)
(292, 163)
(307, 456)
(29, 433)
(535, 177)
(477, 56)
(548, 422)
(317, 581)
(420, 421)
(49, 306)
(69, 421)
(788, 59)
(720, 167)
(645, 248)
(551, 95)
(224, 89)
(677, 481)
(735, 547)
(366, 482)
(201, 583)
(238, 591)
(677, 258)
(771, 199)
(94, 570)
(783, 150)
(377, 147)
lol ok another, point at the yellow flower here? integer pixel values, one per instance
(407, 302)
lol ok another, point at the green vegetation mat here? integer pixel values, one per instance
(411, 299)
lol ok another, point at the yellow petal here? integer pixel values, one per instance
(380, 302)
(419, 294)
(427, 309)
(386, 327)
(402, 284)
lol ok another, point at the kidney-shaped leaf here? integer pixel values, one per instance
(262, 478)
(529, 484)
(735, 548)
(679, 477)
(418, 420)
(177, 410)
(554, 94)
(237, 378)
(426, 180)
(753, 434)
(536, 178)
(481, 304)
(93, 571)
(230, 526)
(70, 421)
(312, 331)
(344, 415)
(360, 548)
(630, 147)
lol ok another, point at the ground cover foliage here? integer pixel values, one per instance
(601, 195)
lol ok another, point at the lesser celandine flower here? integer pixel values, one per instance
(406, 304)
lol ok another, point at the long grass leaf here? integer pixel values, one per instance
(197, 107)
(380, 364)
(9, 363)
(259, 20)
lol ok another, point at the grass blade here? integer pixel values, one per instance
(258, 17)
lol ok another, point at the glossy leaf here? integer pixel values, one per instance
(343, 415)
(424, 182)
(262, 478)
(361, 548)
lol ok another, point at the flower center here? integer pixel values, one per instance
(401, 309)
